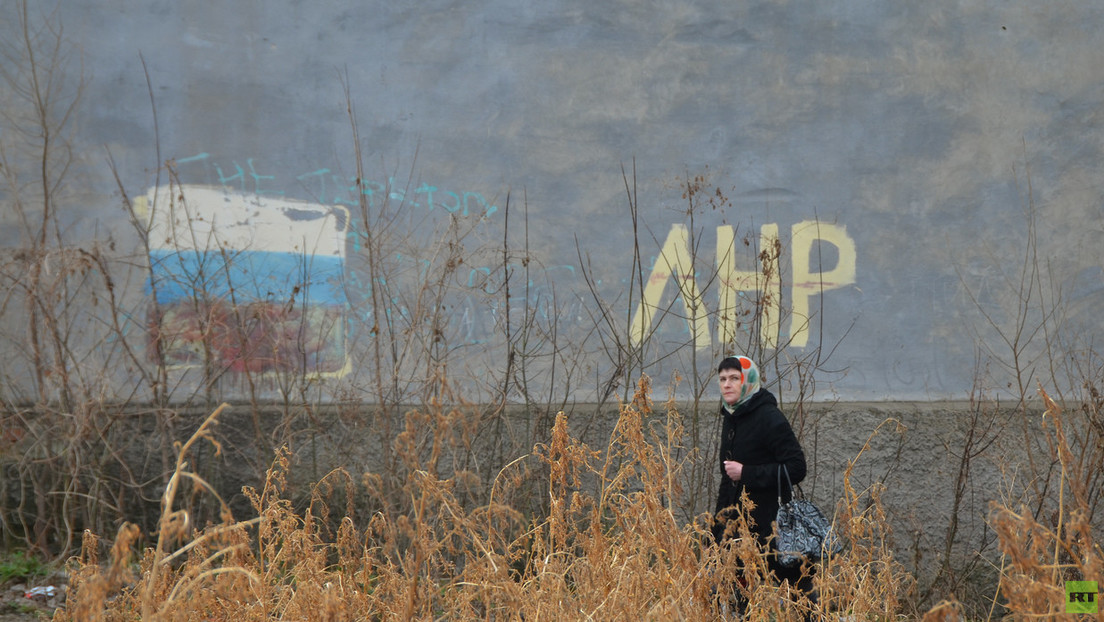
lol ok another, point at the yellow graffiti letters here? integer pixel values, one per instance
(674, 260)
(761, 286)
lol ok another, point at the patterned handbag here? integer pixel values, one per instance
(801, 529)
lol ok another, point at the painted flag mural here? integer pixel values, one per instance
(243, 282)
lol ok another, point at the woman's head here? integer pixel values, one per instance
(739, 379)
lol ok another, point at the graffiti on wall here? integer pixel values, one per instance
(763, 282)
(328, 187)
(242, 282)
(248, 273)
(248, 281)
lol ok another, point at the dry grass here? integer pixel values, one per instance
(1038, 557)
(608, 547)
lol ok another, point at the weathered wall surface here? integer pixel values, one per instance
(928, 136)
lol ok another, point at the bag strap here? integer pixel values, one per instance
(794, 490)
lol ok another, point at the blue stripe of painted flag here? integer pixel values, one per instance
(255, 275)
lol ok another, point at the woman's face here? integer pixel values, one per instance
(732, 383)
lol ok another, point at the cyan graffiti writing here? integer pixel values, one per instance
(329, 188)
(481, 277)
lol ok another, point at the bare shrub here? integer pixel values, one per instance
(609, 547)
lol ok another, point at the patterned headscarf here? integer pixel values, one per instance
(751, 377)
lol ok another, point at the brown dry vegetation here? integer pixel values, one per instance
(608, 548)
(454, 521)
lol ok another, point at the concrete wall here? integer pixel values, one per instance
(907, 456)
(938, 140)
(935, 468)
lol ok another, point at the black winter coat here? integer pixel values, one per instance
(759, 436)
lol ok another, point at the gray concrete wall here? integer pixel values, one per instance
(934, 134)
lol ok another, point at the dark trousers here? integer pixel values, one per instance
(793, 575)
(783, 574)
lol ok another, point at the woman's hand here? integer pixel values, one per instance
(733, 469)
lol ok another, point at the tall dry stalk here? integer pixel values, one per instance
(609, 547)
(1038, 557)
